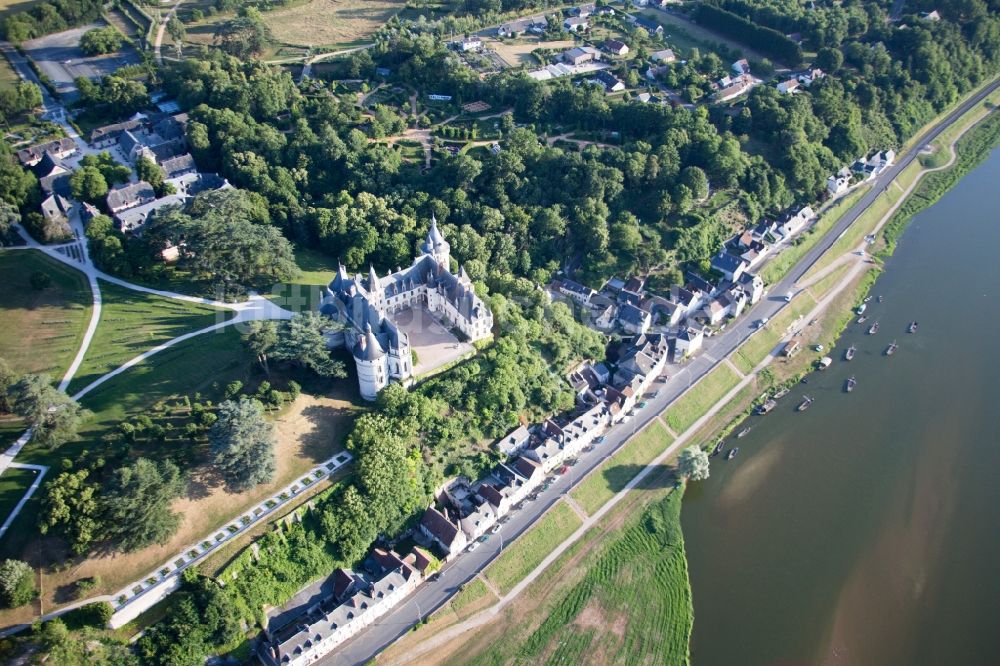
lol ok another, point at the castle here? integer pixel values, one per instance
(380, 348)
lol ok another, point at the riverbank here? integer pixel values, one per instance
(862, 520)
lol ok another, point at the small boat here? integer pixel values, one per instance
(912, 328)
(867, 298)
(891, 349)
(718, 448)
(862, 319)
(804, 405)
(743, 433)
(766, 407)
(873, 329)
(849, 354)
(880, 298)
(861, 308)
(781, 393)
(732, 453)
(825, 362)
(851, 383)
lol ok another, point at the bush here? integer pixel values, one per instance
(92, 615)
(17, 583)
(100, 41)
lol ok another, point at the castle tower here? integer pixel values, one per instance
(370, 358)
(435, 244)
(376, 296)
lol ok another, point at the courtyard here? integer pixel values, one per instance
(434, 345)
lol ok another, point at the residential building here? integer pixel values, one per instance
(514, 442)
(649, 25)
(580, 54)
(129, 196)
(133, 219)
(108, 135)
(53, 175)
(740, 67)
(840, 182)
(616, 47)
(733, 88)
(933, 15)
(653, 73)
(664, 56)
(575, 290)
(381, 350)
(175, 167)
(605, 317)
(467, 44)
(446, 534)
(356, 602)
(576, 24)
(59, 148)
(688, 343)
(810, 76)
(522, 26)
(795, 220)
(788, 86)
(56, 208)
(610, 82)
(729, 265)
(634, 319)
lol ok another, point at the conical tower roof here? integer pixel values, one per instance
(368, 347)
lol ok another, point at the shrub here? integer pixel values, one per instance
(17, 583)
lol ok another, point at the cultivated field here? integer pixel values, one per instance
(331, 22)
(41, 329)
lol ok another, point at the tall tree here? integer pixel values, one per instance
(242, 442)
(260, 339)
(70, 504)
(88, 184)
(53, 415)
(302, 341)
(693, 463)
(17, 583)
(136, 503)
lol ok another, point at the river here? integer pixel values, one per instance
(866, 531)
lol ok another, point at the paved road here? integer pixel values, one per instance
(432, 595)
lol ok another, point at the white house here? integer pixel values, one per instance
(663, 56)
(576, 24)
(740, 67)
(789, 86)
(514, 441)
(688, 343)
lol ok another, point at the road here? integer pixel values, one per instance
(431, 595)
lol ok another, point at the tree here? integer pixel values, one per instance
(149, 171)
(260, 339)
(693, 463)
(7, 379)
(136, 503)
(302, 342)
(829, 59)
(88, 184)
(243, 36)
(10, 217)
(242, 442)
(17, 583)
(70, 505)
(696, 181)
(100, 41)
(53, 415)
(176, 30)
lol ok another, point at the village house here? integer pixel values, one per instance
(108, 135)
(53, 175)
(795, 220)
(729, 265)
(740, 67)
(654, 73)
(650, 26)
(616, 47)
(604, 318)
(514, 441)
(810, 76)
(533, 24)
(574, 290)
(610, 82)
(355, 603)
(872, 167)
(688, 343)
(443, 532)
(132, 219)
(60, 149)
(840, 182)
(56, 209)
(634, 319)
(466, 44)
(789, 86)
(576, 24)
(665, 56)
(129, 196)
(580, 54)
(733, 88)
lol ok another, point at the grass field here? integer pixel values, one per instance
(528, 551)
(695, 402)
(42, 329)
(14, 482)
(632, 605)
(615, 473)
(133, 322)
(326, 23)
(762, 342)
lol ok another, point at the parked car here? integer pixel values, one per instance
(761, 323)
(472, 546)
(600, 440)
(495, 528)
(642, 405)
(484, 538)
(572, 461)
(789, 295)
(563, 469)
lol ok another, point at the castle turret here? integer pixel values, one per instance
(370, 358)
(435, 244)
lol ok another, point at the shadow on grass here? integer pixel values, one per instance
(660, 477)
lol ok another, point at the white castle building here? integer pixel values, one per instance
(381, 350)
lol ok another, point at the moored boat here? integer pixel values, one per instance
(732, 453)
(825, 362)
(913, 327)
(880, 298)
(718, 448)
(744, 432)
(851, 383)
(861, 309)
(804, 405)
(767, 406)
(862, 319)
(891, 349)
(781, 393)
(873, 329)
(849, 354)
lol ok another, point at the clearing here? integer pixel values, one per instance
(518, 52)
(42, 328)
(328, 23)
(133, 322)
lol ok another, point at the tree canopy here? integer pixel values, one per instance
(242, 441)
(136, 504)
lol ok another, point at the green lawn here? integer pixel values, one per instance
(473, 591)
(700, 397)
(42, 329)
(615, 473)
(632, 606)
(14, 482)
(528, 551)
(133, 322)
(762, 342)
